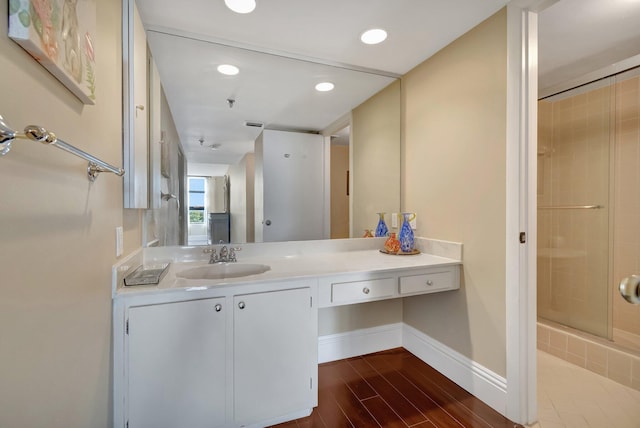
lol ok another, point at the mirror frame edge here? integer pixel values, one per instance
(135, 194)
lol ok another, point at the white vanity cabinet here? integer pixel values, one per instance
(275, 354)
(176, 364)
(235, 356)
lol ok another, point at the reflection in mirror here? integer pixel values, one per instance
(268, 157)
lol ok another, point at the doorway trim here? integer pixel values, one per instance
(521, 220)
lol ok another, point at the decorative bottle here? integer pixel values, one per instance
(392, 245)
(381, 229)
(406, 233)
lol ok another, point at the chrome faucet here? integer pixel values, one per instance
(226, 255)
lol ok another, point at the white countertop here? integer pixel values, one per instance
(291, 260)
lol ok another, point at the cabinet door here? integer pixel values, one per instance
(176, 365)
(275, 352)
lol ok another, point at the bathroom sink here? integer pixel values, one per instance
(223, 271)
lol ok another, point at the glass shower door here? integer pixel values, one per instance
(626, 205)
(574, 136)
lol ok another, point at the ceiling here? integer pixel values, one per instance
(285, 47)
(577, 37)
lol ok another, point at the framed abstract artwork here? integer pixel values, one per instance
(59, 34)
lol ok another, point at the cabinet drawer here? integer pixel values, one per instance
(361, 291)
(427, 283)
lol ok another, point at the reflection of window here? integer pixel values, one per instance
(196, 199)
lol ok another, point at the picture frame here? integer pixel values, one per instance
(59, 34)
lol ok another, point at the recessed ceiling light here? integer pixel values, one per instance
(228, 69)
(373, 36)
(241, 6)
(324, 86)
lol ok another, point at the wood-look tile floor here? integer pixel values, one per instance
(393, 389)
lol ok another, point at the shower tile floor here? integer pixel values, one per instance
(570, 396)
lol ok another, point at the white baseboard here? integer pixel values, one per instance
(483, 383)
(338, 346)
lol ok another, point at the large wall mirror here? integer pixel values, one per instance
(256, 156)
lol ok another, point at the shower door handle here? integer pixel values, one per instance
(630, 289)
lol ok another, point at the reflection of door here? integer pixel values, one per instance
(290, 201)
(339, 190)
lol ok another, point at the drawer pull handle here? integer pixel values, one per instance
(218, 307)
(241, 305)
(365, 290)
(429, 282)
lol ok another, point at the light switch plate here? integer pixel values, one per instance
(119, 241)
(394, 220)
(413, 222)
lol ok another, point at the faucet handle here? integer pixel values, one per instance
(214, 257)
(232, 253)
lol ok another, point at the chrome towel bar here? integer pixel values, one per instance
(41, 135)
(572, 207)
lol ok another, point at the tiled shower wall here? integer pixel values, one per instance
(577, 165)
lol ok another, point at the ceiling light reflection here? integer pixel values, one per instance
(241, 6)
(324, 86)
(228, 69)
(373, 36)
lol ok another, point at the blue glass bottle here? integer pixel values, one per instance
(381, 229)
(406, 233)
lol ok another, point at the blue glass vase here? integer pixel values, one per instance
(381, 229)
(406, 233)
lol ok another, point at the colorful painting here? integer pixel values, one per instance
(59, 35)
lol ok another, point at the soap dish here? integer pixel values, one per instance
(146, 275)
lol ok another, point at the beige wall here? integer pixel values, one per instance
(342, 319)
(241, 179)
(453, 172)
(216, 194)
(339, 197)
(57, 240)
(375, 141)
